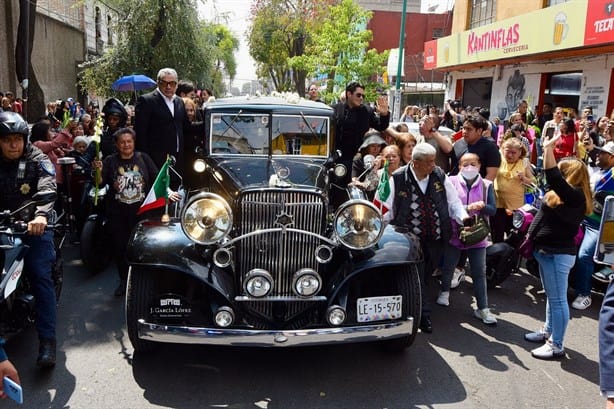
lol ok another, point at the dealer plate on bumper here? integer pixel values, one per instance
(379, 308)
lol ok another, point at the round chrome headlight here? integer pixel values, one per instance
(358, 224)
(335, 315)
(258, 283)
(224, 317)
(206, 218)
(199, 166)
(306, 282)
(340, 170)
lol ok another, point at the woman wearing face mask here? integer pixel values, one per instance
(478, 197)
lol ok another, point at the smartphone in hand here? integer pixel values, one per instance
(12, 389)
(549, 132)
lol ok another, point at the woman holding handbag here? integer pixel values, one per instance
(554, 229)
(478, 197)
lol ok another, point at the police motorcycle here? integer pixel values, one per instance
(17, 310)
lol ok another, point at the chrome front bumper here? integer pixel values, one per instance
(261, 338)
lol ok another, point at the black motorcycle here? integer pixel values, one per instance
(95, 239)
(504, 259)
(16, 299)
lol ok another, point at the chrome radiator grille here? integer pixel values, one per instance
(280, 253)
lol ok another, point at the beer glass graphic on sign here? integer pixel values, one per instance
(560, 28)
(446, 52)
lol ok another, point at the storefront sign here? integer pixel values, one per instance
(552, 28)
(599, 22)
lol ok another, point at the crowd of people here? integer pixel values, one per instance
(440, 184)
(167, 120)
(444, 183)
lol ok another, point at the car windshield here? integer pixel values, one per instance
(259, 134)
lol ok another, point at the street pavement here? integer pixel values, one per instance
(463, 364)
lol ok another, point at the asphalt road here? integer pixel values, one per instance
(463, 364)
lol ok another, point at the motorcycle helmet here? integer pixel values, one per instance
(114, 107)
(13, 123)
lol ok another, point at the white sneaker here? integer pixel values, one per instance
(486, 316)
(537, 336)
(458, 277)
(548, 351)
(444, 298)
(437, 272)
(582, 302)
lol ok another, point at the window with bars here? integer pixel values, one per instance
(482, 12)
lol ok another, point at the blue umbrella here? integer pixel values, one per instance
(134, 83)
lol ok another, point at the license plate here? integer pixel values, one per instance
(379, 308)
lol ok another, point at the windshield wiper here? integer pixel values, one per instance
(232, 122)
(313, 132)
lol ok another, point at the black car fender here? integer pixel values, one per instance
(165, 246)
(396, 247)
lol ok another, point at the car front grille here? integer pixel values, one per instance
(281, 253)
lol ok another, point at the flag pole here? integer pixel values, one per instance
(165, 217)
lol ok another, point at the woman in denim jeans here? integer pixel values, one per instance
(555, 226)
(478, 197)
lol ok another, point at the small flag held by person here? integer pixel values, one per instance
(158, 194)
(383, 199)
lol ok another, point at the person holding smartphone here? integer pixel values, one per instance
(7, 369)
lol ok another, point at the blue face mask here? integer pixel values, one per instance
(469, 172)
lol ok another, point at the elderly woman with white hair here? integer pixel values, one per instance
(424, 201)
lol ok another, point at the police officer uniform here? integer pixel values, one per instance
(20, 179)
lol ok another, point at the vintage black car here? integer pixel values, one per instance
(259, 256)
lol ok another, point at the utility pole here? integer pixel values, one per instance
(397, 91)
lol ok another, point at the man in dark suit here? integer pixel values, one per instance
(606, 346)
(161, 120)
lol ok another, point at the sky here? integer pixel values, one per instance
(235, 15)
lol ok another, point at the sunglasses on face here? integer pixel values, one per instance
(359, 95)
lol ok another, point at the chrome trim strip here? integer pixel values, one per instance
(276, 230)
(280, 298)
(263, 338)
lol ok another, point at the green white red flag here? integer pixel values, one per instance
(383, 198)
(158, 194)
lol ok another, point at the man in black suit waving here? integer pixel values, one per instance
(160, 121)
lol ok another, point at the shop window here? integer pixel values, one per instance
(566, 84)
(482, 12)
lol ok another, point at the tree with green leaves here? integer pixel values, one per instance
(154, 34)
(281, 29)
(339, 50)
(222, 55)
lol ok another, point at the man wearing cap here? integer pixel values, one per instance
(602, 185)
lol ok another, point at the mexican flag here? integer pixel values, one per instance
(383, 198)
(158, 194)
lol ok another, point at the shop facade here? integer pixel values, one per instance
(563, 54)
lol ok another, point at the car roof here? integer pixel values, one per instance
(279, 104)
